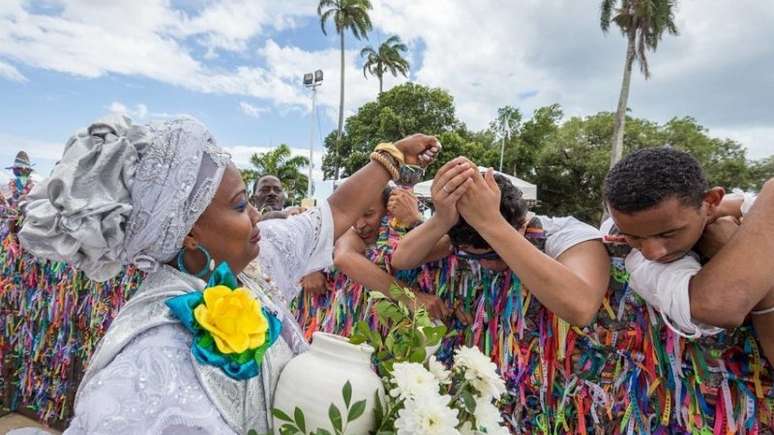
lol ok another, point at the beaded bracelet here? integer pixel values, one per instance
(387, 163)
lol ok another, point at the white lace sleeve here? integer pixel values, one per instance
(293, 247)
(149, 388)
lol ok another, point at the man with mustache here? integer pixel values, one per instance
(268, 194)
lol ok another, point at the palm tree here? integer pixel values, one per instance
(280, 163)
(388, 58)
(643, 22)
(347, 15)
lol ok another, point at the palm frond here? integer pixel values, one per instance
(606, 14)
(324, 18)
(325, 4)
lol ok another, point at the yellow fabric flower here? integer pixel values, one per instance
(233, 317)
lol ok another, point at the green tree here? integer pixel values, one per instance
(724, 160)
(532, 139)
(523, 140)
(283, 165)
(405, 109)
(761, 171)
(388, 58)
(643, 23)
(346, 15)
(505, 131)
(572, 164)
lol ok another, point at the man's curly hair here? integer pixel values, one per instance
(645, 178)
(512, 206)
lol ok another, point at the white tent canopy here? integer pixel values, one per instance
(529, 190)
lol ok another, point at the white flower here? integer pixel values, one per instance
(488, 417)
(439, 370)
(480, 371)
(413, 380)
(467, 429)
(427, 416)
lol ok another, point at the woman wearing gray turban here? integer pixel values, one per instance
(168, 200)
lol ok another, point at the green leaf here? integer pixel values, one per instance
(244, 357)
(434, 335)
(289, 429)
(376, 295)
(399, 293)
(252, 432)
(206, 341)
(378, 411)
(360, 333)
(321, 431)
(381, 308)
(375, 339)
(357, 339)
(346, 392)
(334, 415)
(356, 411)
(418, 355)
(281, 415)
(469, 401)
(298, 414)
(389, 342)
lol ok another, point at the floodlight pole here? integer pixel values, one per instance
(313, 83)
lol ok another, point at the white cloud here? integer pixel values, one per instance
(140, 111)
(10, 72)
(230, 24)
(288, 63)
(758, 140)
(37, 149)
(149, 41)
(487, 54)
(153, 42)
(250, 110)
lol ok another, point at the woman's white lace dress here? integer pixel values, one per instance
(151, 386)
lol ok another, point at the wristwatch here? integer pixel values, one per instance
(410, 175)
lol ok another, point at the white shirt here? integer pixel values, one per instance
(666, 286)
(562, 233)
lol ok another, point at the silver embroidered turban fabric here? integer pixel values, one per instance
(123, 194)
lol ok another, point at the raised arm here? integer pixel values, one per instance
(350, 199)
(429, 241)
(349, 257)
(737, 279)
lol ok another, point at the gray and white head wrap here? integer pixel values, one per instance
(123, 194)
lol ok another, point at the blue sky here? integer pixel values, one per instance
(237, 65)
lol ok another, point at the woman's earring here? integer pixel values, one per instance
(209, 263)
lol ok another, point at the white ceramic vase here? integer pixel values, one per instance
(314, 379)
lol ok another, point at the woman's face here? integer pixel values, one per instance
(227, 228)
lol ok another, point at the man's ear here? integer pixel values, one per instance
(713, 198)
